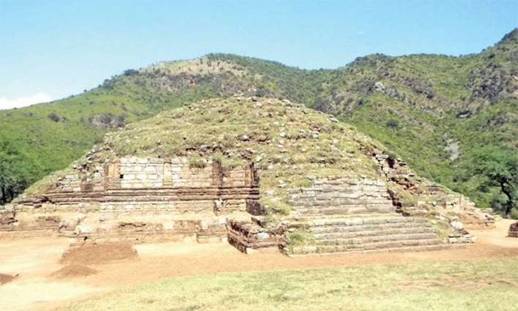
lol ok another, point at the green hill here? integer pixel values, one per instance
(452, 118)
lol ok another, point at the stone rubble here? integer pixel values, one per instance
(415, 196)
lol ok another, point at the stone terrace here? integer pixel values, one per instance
(141, 199)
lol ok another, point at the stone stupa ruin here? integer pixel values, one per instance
(258, 172)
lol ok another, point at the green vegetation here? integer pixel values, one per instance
(472, 285)
(432, 110)
(494, 167)
(41, 139)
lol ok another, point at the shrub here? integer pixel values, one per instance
(197, 162)
(54, 117)
(393, 124)
(130, 72)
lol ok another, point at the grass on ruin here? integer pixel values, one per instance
(474, 285)
(290, 144)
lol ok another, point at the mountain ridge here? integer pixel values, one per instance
(435, 111)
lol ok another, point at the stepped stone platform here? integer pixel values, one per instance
(340, 215)
(368, 232)
(153, 199)
(260, 173)
(165, 199)
(137, 199)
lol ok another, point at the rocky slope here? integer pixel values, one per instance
(435, 111)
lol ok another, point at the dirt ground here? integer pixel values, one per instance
(37, 261)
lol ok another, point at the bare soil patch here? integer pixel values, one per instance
(35, 259)
(6, 278)
(72, 271)
(94, 253)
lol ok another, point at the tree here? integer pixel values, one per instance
(130, 72)
(54, 117)
(7, 180)
(499, 168)
(14, 178)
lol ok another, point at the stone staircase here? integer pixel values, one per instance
(350, 216)
(368, 232)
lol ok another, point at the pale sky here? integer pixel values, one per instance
(53, 49)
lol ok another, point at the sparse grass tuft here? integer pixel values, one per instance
(197, 162)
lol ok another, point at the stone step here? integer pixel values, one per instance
(315, 248)
(336, 228)
(360, 215)
(366, 232)
(419, 248)
(338, 233)
(345, 209)
(362, 241)
(361, 220)
(336, 201)
(378, 245)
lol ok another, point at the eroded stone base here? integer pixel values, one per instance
(250, 237)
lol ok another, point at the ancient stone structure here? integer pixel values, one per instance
(294, 179)
(513, 230)
(148, 199)
(341, 196)
(252, 236)
(415, 196)
(342, 215)
(140, 199)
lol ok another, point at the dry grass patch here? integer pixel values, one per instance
(474, 285)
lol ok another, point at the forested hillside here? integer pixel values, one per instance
(454, 119)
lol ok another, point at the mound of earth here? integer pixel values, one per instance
(73, 270)
(6, 278)
(97, 253)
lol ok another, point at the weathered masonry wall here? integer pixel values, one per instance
(342, 196)
(131, 173)
(153, 184)
(154, 173)
(140, 198)
(141, 173)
